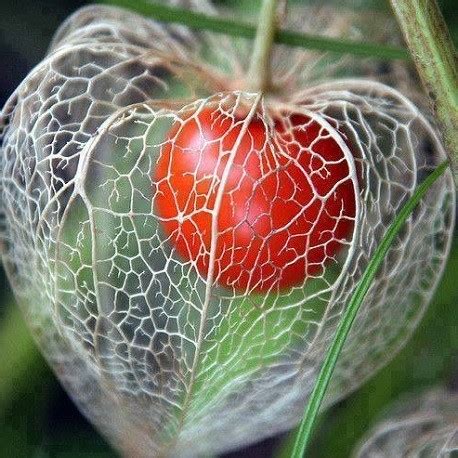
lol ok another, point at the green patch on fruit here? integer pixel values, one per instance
(256, 332)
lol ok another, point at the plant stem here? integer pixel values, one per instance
(237, 28)
(259, 74)
(319, 390)
(435, 57)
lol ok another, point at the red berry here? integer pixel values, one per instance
(273, 229)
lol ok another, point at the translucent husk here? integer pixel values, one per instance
(422, 425)
(162, 359)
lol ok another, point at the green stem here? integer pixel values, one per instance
(259, 74)
(236, 28)
(327, 369)
(435, 57)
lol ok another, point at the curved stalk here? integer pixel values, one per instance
(259, 74)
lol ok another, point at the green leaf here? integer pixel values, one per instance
(312, 409)
(237, 28)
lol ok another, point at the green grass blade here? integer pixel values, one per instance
(327, 369)
(202, 21)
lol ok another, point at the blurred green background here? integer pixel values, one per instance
(37, 419)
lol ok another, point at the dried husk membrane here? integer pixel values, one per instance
(422, 425)
(163, 359)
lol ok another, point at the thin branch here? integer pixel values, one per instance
(436, 60)
(236, 28)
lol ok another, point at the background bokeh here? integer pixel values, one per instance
(36, 417)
